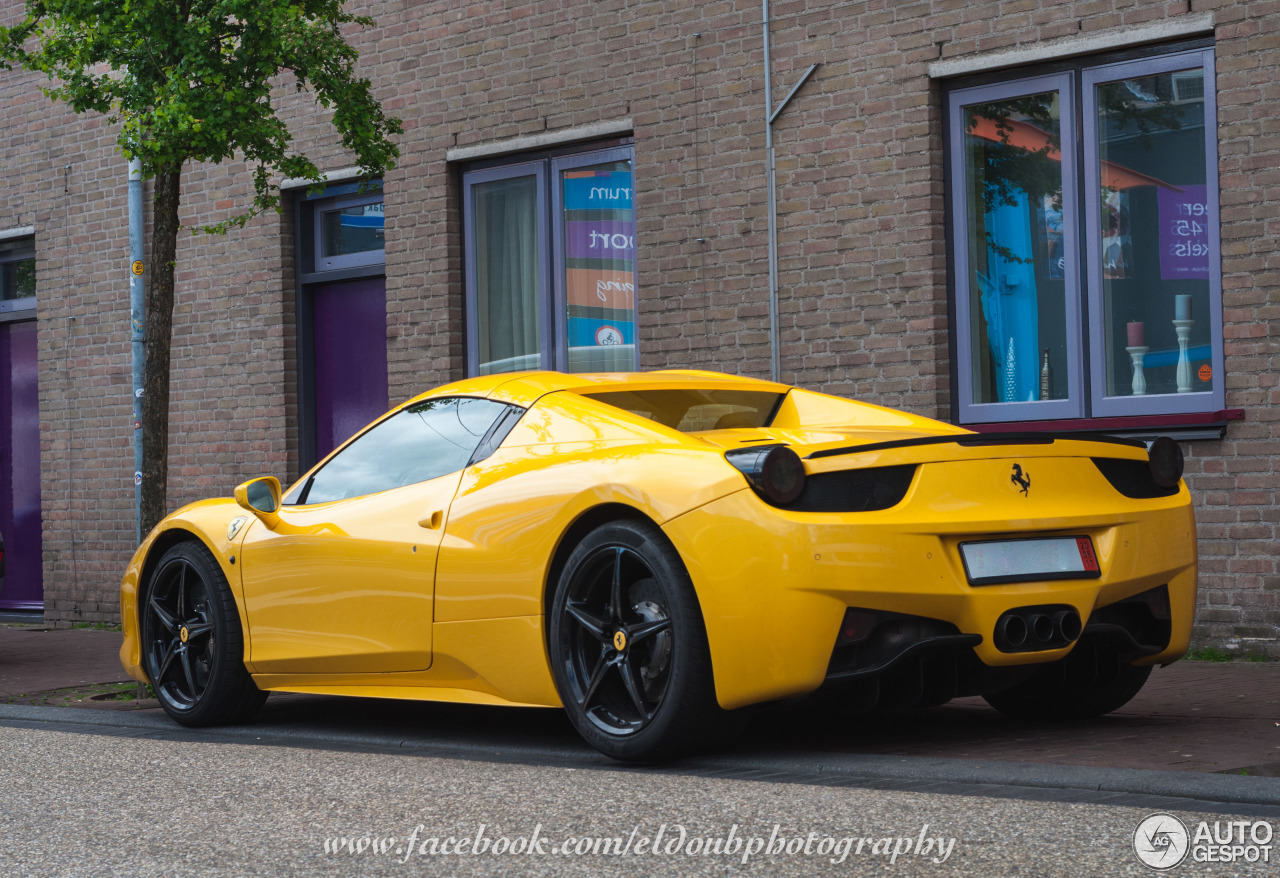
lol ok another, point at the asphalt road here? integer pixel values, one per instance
(89, 803)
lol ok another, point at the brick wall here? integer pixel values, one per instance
(862, 253)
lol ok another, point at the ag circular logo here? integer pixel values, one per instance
(1161, 841)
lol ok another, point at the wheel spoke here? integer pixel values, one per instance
(615, 588)
(170, 624)
(165, 664)
(191, 677)
(182, 591)
(631, 680)
(594, 683)
(593, 626)
(648, 629)
(198, 630)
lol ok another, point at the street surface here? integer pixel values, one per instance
(91, 804)
(122, 790)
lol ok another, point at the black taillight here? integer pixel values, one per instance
(856, 490)
(1132, 478)
(774, 471)
(1165, 460)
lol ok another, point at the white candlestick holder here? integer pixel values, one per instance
(1138, 354)
(1183, 329)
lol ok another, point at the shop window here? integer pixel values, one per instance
(1084, 216)
(550, 264)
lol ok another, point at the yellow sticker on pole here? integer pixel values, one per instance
(137, 267)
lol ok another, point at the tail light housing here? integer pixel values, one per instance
(1164, 458)
(774, 471)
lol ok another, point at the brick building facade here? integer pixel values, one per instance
(869, 237)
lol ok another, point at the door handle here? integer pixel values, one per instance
(432, 521)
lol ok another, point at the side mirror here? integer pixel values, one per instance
(261, 497)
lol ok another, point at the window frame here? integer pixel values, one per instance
(995, 412)
(307, 209)
(470, 179)
(1094, 409)
(18, 250)
(552, 309)
(1104, 406)
(560, 288)
(345, 260)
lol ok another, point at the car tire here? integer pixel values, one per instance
(192, 645)
(1087, 683)
(634, 673)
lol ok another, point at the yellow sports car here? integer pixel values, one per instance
(657, 551)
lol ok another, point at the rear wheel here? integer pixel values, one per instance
(1089, 682)
(192, 647)
(629, 650)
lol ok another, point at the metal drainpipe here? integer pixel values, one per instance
(775, 363)
(138, 333)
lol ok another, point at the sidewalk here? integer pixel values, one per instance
(37, 659)
(1191, 716)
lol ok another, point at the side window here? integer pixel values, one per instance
(421, 442)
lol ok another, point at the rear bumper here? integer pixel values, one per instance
(774, 585)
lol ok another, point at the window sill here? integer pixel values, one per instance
(1200, 425)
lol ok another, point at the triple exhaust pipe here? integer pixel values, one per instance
(1032, 628)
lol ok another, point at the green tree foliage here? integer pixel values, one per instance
(191, 81)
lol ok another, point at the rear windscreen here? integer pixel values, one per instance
(690, 410)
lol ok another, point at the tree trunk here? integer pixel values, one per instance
(155, 394)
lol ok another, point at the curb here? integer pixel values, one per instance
(913, 772)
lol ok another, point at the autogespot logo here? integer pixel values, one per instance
(1161, 841)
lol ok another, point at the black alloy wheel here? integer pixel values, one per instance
(619, 652)
(181, 642)
(629, 649)
(192, 647)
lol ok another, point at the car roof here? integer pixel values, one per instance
(524, 388)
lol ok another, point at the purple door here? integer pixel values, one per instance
(350, 323)
(23, 587)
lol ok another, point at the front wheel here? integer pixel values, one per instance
(192, 646)
(628, 648)
(1089, 682)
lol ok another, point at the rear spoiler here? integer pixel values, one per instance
(978, 439)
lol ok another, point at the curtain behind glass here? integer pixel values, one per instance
(506, 240)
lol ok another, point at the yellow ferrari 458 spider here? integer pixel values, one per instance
(657, 551)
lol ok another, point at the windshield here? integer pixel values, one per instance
(693, 410)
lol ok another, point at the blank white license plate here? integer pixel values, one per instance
(1032, 560)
